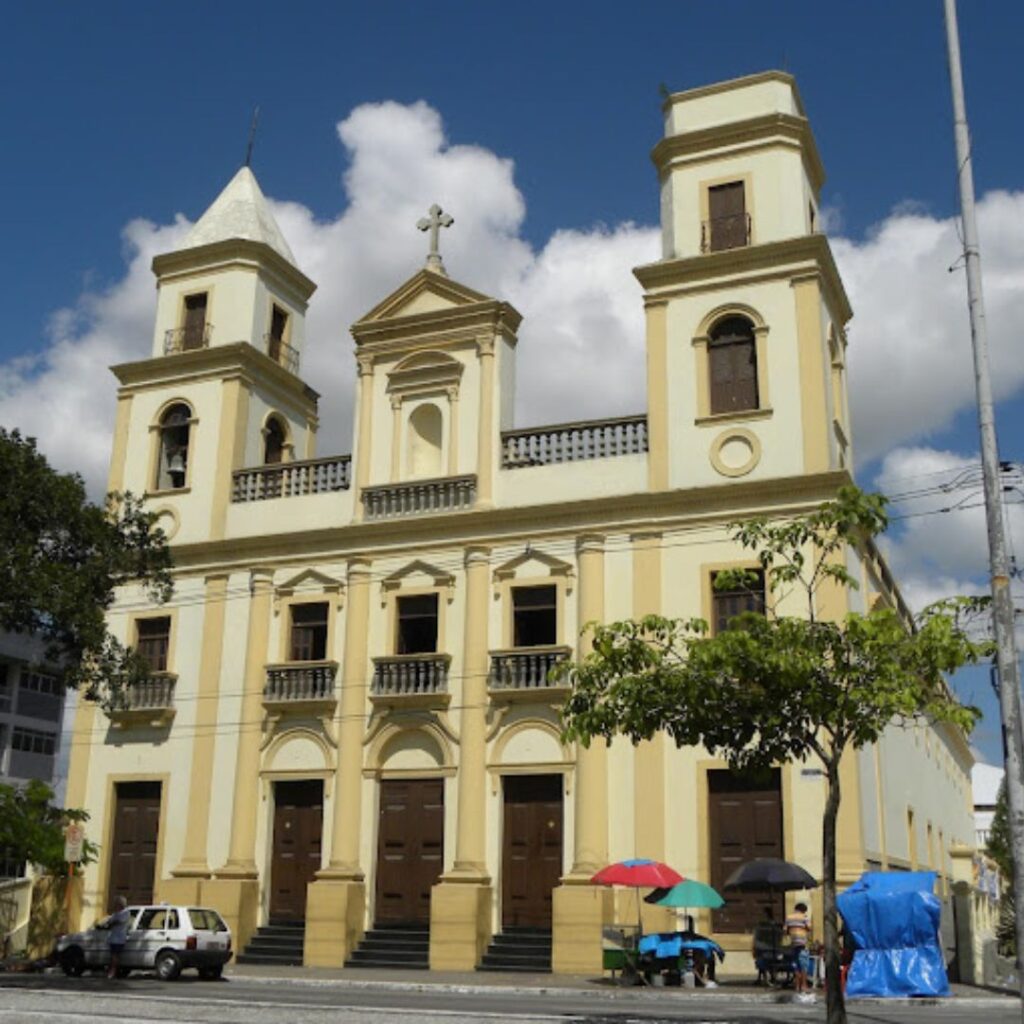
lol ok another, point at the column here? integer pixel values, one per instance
(364, 448)
(460, 905)
(234, 889)
(336, 901)
(581, 909)
(649, 756)
(184, 886)
(453, 430)
(485, 427)
(396, 438)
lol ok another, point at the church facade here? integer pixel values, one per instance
(350, 727)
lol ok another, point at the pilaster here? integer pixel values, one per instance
(241, 863)
(364, 444)
(336, 900)
(485, 426)
(194, 863)
(580, 909)
(460, 904)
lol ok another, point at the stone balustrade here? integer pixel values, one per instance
(420, 497)
(300, 682)
(154, 693)
(574, 442)
(290, 479)
(526, 668)
(147, 702)
(410, 677)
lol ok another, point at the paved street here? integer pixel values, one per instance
(244, 1000)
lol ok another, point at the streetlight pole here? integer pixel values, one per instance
(1002, 601)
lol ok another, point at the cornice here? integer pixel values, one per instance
(753, 130)
(731, 85)
(215, 363)
(627, 513)
(781, 259)
(237, 251)
(490, 315)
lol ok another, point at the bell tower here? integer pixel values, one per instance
(746, 312)
(221, 389)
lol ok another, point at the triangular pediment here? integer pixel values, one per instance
(541, 562)
(418, 571)
(309, 580)
(425, 292)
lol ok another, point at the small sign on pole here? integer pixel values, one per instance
(74, 836)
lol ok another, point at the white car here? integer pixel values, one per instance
(162, 938)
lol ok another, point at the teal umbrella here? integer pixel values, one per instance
(688, 893)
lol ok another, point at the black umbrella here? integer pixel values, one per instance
(769, 874)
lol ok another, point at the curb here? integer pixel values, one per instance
(632, 995)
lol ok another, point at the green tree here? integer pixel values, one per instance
(61, 559)
(788, 684)
(32, 828)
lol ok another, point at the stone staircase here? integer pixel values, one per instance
(396, 945)
(279, 943)
(522, 950)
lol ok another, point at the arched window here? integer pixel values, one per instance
(273, 442)
(732, 355)
(426, 425)
(172, 466)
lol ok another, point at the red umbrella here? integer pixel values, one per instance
(639, 873)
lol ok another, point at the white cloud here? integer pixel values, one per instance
(910, 354)
(581, 350)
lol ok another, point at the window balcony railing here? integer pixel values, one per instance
(420, 497)
(290, 479)
(300, 684)
(525, 671)
(573, 442)
(281, 352)
(186, 339)
(150, 700)
(729, 232)
(411, 679)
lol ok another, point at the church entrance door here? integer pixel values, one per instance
(410, 849)
(298, 832)
(531, 861)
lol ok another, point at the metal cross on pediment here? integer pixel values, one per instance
(433, 223)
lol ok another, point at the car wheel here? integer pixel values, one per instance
(72, 962)
(167, 965)
(211, 973)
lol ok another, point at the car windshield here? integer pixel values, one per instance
(206, 920)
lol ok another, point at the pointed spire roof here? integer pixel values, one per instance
(240, 211)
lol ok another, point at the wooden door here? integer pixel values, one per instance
(134, 844)
(727, 209)
(410, 849)
(298, 829)
(745, 812)
(531, 858)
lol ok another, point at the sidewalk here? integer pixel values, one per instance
(483, 982)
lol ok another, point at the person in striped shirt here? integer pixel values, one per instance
(798, 929)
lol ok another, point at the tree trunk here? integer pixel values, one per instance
(835, 1002)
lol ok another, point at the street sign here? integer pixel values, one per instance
(74, 836)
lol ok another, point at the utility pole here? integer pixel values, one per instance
(1002, 602)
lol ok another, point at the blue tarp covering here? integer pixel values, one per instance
(893, 918)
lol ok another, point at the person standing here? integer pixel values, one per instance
(117, 937)
(798, 929)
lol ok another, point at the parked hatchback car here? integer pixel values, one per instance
(163, 938)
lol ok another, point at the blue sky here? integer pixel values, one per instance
(118, 111)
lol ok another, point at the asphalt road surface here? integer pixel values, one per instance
(34, 999)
